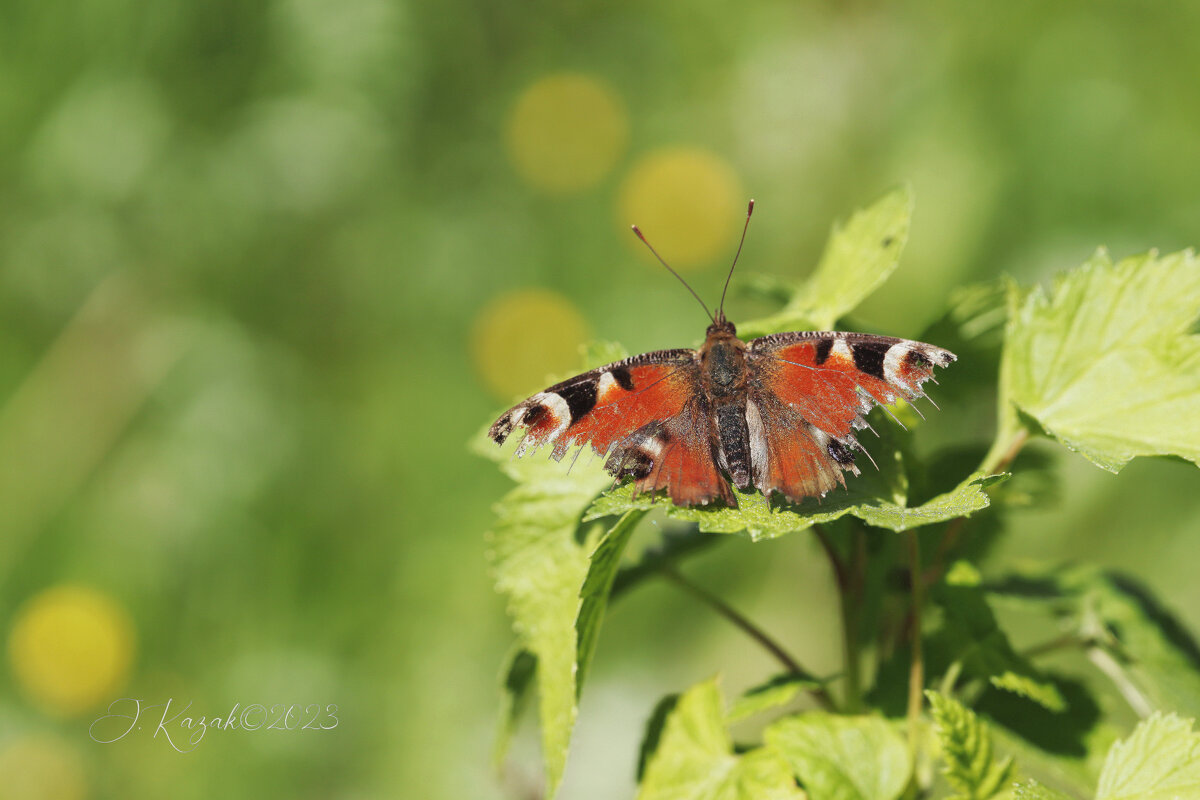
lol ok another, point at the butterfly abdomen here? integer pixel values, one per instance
(733, 437)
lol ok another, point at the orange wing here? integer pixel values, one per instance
(808, 394)
(645, 413)
(677, 456)
(604, 406)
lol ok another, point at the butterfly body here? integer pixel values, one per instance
(778, 413)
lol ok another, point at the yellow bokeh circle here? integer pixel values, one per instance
(687, 201)
(41, 768)
(521, 337)
(565, 132)
(71, 648)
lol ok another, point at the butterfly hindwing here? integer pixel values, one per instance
(811, 391)
(676, 456)
(790, 455)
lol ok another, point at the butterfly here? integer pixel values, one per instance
(778, 413)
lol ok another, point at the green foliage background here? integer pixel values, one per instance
(241, 250)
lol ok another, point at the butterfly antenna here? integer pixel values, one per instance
(746, 227)
(638, 231)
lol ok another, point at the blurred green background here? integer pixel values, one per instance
(265, 268)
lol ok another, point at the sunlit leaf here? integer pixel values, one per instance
(1159, 761)
(1042, 692)
(654, 730)
(843, 757)
(1104, 361)
(779, 691)
(605, 560)
(1032, 790)
(971, 766)
(858, 258)
(760, 519)
(694, 759)
(556, 575)
(540, 567)
(516, 687)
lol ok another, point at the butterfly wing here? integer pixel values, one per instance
(646, 414)
(677, 455)
(808, 393)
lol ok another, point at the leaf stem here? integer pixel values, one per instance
(849, 579)
(1116, 673)
(1002, 455)
(749, 628)
(950, 678)
(916, 670)
(835, 561)
(1058, 643)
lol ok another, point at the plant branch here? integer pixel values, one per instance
(835, 561)
(849, 579)
(916, 670)
(749, 628)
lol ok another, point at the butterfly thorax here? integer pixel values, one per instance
(723, 363)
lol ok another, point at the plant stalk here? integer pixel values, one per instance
(916, 670)
(1116, 673)
(849, 581)
(1067, 640)
(1001, 457)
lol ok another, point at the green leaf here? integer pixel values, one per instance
(755, 516)
(695, 759)
(971, 635)
(1066, 747)
(556, 574)
(978, 312)
(859, 257)
(605, 560)
(961, 501)
(760, 519)
(1157, 653)
(1032, 790)
(778, 691)
(540, 566)
(843, 757)
(971, 766)
(1105, 362)
(1150, 652)
(654, 730)
(519, 671)
(1159, 761)
(1042, 692)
